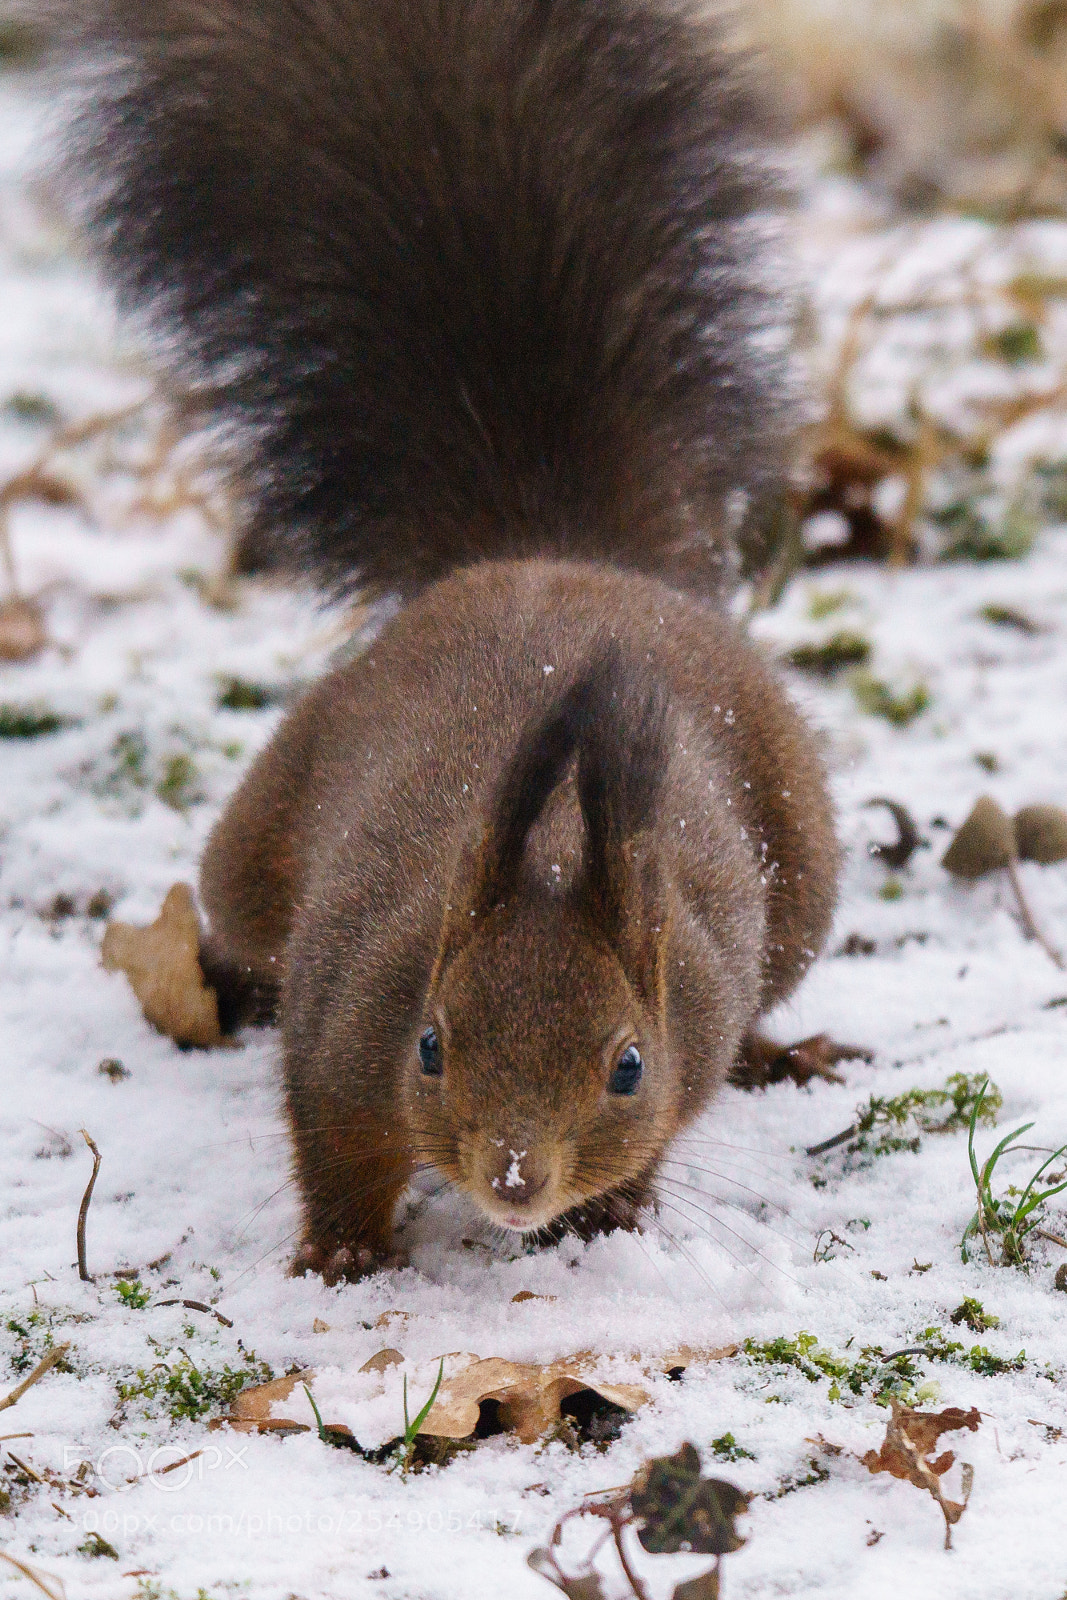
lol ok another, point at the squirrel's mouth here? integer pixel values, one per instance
(516, 1184)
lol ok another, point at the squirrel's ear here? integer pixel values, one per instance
(490, 866)
(622, 765)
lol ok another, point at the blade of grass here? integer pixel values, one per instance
(318, 1415)
(411, 1429)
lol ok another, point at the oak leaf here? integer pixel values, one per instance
(162, 963)
(23, 633)
(528, 1395)
(910, 1438)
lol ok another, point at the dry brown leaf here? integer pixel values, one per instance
(910, 1438)
(529, 1396)
(686, 1356)
(22, 629)
(383, 1361)
(392, 1316)
(1041, 834)
(984, 841)
(528, 1294)
(251, 1409)
(162, 963)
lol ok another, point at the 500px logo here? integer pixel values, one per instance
(123, 1467)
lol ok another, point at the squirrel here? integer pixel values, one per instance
(477, 288)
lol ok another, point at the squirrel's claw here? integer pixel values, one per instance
(342, 1265)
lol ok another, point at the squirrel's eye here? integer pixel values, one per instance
(430, 1054)
(627, 1074)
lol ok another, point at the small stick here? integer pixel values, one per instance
(617, 1526)
(198, 1305)
(831, 1144)
(4, 1437)
(83, 1270)
(25, 1467)
(1030, 927)
(35, 1376)
(173, 1466)
(46, 1582)
(1053, 1238)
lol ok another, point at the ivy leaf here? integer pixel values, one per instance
(680, 1510)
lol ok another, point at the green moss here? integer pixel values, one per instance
(35, 409)
(976, 533)
(816, 1472)
(30, 722)
(824, 603)
(178, 785)
(129, 756)
(32, 1337)
(876, 698)
(134, 1295)
(886, 1125)
(868, 1374)
(1016, 344)
(96, 1548)
(978, 1359)
(974, 1315)
(185, 1392)
(726, 1448)
(1052, 488)
(1008, 617)
(239, 694)
(833, 655)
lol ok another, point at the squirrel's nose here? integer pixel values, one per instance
(516, 1176)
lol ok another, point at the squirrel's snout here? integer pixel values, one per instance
(515, 1184)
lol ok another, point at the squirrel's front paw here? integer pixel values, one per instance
(761, 1061)
(342, 1263)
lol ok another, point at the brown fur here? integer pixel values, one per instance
(443, 833)
(462, 278)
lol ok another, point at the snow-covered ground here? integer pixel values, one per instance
(757, 1240)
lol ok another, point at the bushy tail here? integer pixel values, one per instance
(470, 277)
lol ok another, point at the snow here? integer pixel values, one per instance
(195, 1169)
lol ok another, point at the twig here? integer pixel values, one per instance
(1053, 1238)
(831, 1144)
(618, 1523)
(172, 1466)
(35, 1376)
(24, 1466)
(83, 1270)
(198, 1305)
(46, 1582)
(1030, 927)
(4, 1437)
